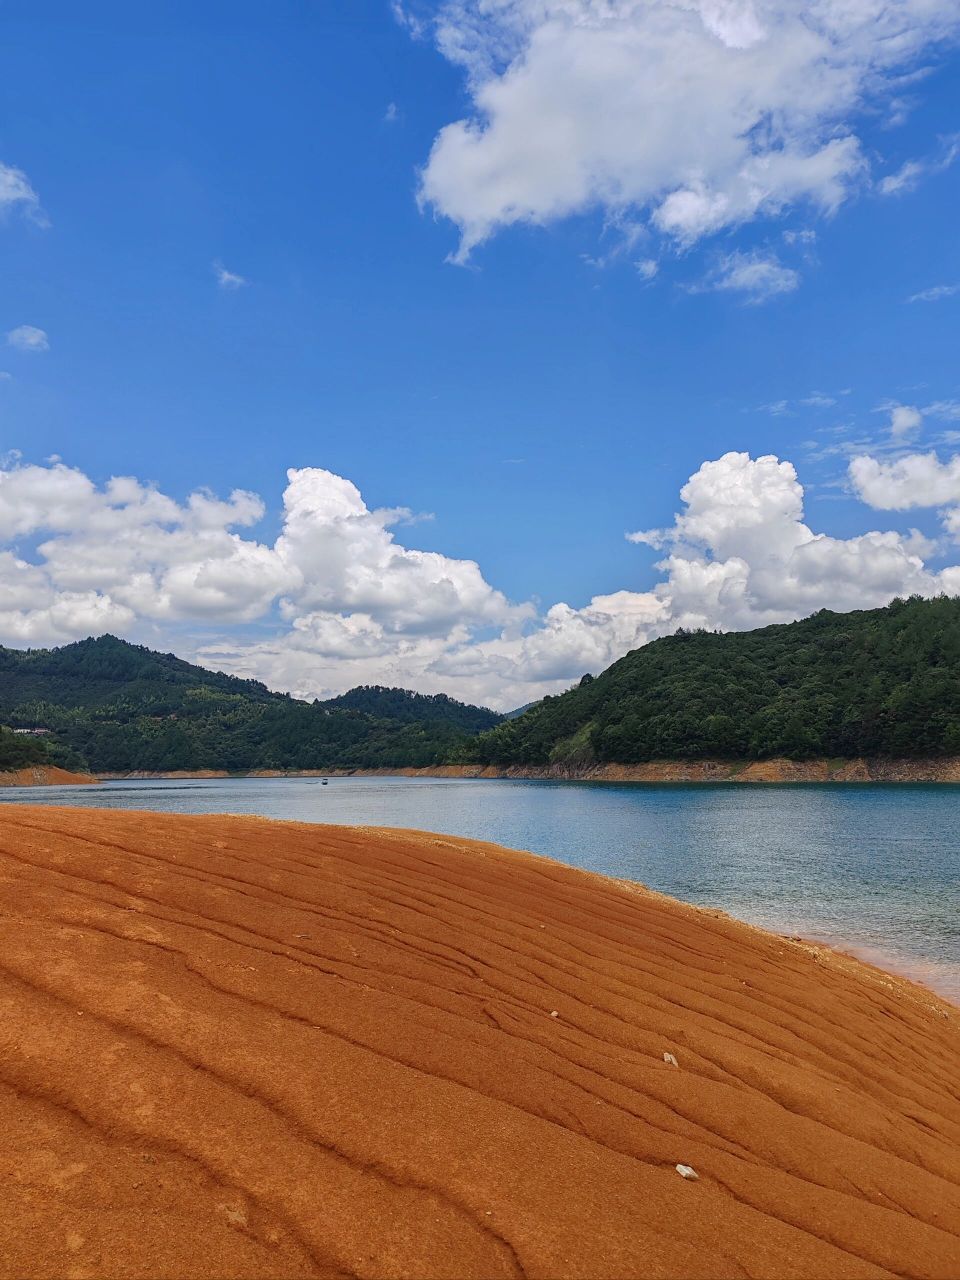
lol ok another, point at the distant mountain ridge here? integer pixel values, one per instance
(873, 683)
(96, 670)
(882, 683)
(118, 707)
(408, 707)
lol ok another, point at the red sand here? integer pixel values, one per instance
(237, 1048)
(44, 775)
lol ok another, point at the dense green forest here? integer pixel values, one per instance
(18, 750)
(115, 707)
(884, 682)
(407, 708)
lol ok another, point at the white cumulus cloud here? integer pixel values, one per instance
(916, 480)
(144, 556)
(338, 600)
(741, 554)
(698, 114)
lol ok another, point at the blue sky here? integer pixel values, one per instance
(600, 340)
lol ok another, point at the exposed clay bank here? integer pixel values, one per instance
(946, 769)
(241, 1048)
(44, 775)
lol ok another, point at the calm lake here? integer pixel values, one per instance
(873, 868)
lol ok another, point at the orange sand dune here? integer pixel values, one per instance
(230, 1047)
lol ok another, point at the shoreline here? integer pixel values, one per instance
(938, 977)
(940, 980)
(742, 772)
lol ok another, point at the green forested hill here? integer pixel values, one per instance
(117, 707)
(884, 682)
(407, 708)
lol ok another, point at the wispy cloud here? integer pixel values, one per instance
(758, 276)
(620, 237)
(228, 279)
(17, 193)
(945, 410)
(904, 179)
(817, 400)
(777, 408)
(416, 26)
(392, 113)
(935, 293)
(27, 337)
(908, 176)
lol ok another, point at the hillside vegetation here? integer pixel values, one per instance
(117, 707)
(17, 751)
(884, 682)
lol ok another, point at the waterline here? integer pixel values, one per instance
(872, 869)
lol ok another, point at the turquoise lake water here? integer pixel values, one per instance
(873, 868)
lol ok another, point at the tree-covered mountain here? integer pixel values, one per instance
(408, 708)
(883, 682)
(117, 707)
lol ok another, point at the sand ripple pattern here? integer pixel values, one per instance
(239, 1048)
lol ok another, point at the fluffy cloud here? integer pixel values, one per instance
(347, 561)
(27, 337)
(338, 600)
(130, 553)
(740, 554)
(904, 419)
(916, 480)
(702, 114)
(137, 555)
(911, 481)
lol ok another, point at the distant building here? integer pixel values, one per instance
(34, 733)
